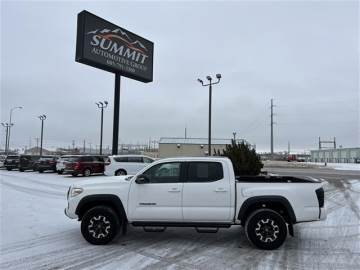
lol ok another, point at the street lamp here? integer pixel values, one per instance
(210, 84)
(42, 118)
(7, 127)
(101, 106)
(11, 124)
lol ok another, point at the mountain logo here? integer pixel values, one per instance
(120, 35)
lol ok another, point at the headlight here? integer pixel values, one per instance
(75, 191)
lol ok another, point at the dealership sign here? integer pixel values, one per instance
(104, 45)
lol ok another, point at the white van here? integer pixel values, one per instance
(126, 164)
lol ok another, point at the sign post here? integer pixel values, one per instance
(106, 46)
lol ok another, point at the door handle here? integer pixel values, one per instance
(174, 190)
(220, 190)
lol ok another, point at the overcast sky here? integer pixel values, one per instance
(305, 55)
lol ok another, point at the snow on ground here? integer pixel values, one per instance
(35, 234)
(339, 166)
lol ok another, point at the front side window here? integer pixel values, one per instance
(164, 173)
(205, 171)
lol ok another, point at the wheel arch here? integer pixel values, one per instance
(121, 169)
(277, 203)
(109, 200)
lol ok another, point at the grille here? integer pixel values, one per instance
(320, 196)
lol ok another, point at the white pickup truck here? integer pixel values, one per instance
(200, 192)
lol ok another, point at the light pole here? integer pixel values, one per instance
(234, 134)
(42, 118)
(11, 124)
(7, 127)
(210, 84)
(101, 106)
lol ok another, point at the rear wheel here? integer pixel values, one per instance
(120, 172)
(21, 170)
(60, 172)
(9, 169)
(87, 172)
(266, 229)
(100, 225)
(41, 171)
(74, 174)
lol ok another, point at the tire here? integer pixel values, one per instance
(266, 229)
(9, 169)
(21, 170)
(41, 171)
(87, 172)
(120, 172)
(100, 225)
(60, 172)
(74, 174)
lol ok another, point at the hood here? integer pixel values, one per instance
(104, 180)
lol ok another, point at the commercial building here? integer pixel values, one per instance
(338, 155)
(195, 147)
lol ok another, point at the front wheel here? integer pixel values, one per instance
(120, 172)
(9, 169)
(266, 229)
(100, 225)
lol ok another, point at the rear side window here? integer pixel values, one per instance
(87, 159)
(135, 159)
(205, 171)
(121, 159)
(147, 160)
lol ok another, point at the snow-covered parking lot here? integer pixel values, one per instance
(35, 234)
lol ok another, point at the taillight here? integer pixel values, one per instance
(107, 161)
(320, 194)
(77, 166)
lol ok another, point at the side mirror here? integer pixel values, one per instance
(142, 179)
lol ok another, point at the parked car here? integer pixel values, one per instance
(84, 165)
(126, 164)
(200, 192)
(60, 164)
(2, 159)
(46, 163)
(27, 162)
(11, 162)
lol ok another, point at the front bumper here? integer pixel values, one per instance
(70, 214)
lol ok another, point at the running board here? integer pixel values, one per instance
(206, 230)
(154, 229)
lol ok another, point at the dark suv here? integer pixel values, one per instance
(27, 162)
(85, 165)
(11, 162)
(46, 163)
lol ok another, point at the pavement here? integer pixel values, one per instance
(35, 234)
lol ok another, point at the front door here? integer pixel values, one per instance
(160, 199)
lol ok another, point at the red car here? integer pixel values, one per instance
(84, 165)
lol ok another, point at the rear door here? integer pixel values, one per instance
(206, 193)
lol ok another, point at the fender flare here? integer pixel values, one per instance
(267, 199)
(100, 199)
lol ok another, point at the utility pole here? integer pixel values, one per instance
(272, 128)
(90, 146)
(73, 144)
(101, 106)
(185, 132)
(7, 127)
(84, 147)
(210, 84)
(234, 134)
